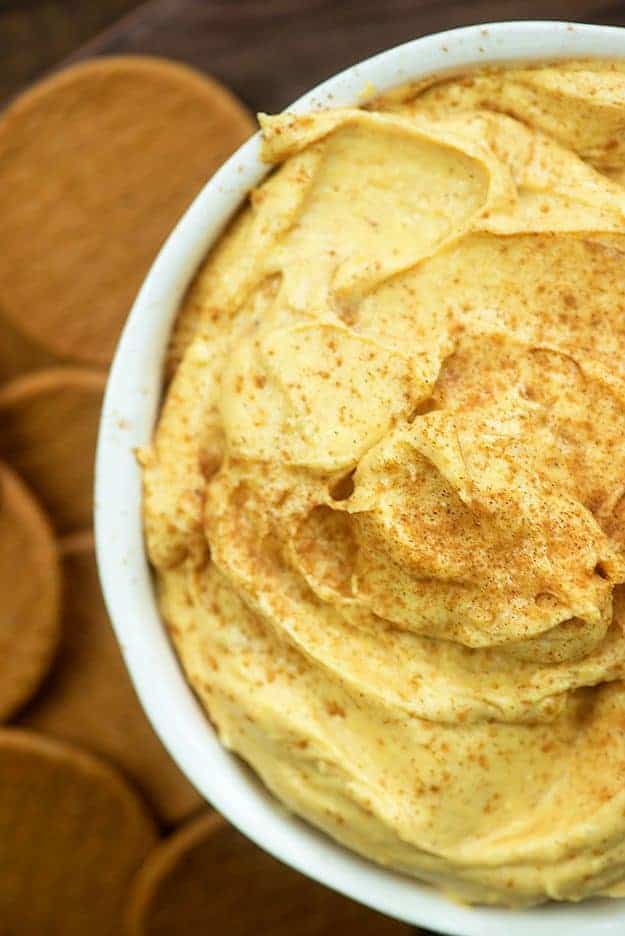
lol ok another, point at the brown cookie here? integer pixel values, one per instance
(97, 163)
(18, 355)
(72, 835)
(208, 878)
(89, 698)
(48, 430)
(29, 594)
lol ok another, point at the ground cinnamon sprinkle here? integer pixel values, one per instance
(403, 441)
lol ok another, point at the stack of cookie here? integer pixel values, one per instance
(97, 832)
(96, 165)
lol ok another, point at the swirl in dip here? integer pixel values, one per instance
(385, 497)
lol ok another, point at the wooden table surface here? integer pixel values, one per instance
(36, 34)
(270, 51)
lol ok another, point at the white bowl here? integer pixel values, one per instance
(130, 407)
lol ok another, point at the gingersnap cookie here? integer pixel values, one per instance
(29, 594)
(208, 878)
(89, 699)
(19, 355)
(72, 835)
(48, 431)
(97, 164)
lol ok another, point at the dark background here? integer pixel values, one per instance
(36, 34)
(268, 51)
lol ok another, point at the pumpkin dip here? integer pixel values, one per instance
(385, 496)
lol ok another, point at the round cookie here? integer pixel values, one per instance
(115, 148)
(48, 431)
(72, 834)
(29, 594)
(208, 878)
(89, 698)
(18, 354)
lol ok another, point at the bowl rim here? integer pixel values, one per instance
(129, 411)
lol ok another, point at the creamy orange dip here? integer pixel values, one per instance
(385, 496)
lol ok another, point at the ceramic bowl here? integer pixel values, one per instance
(130, 408)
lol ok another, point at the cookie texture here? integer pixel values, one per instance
(72, 834)
(194, 882)
(89, 698)
(29, 593)
(115, 148)
(48, 431)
